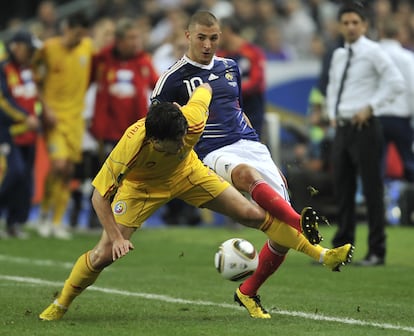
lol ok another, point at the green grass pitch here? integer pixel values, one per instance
(168, 286)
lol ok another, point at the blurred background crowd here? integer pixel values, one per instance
(287, 31)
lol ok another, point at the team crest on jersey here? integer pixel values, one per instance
(120, 208)
(229, 76)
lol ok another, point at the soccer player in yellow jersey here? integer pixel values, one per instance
(153, 163)
(63, 68)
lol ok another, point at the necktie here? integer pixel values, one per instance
(343, 78)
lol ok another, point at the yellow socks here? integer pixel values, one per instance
(285, 235)
(82, 276)
(55, 199)
(47, 200)
(61, 194)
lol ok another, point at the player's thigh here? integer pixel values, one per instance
(252, 153)
(200, 187)
(64, 141)
(233, 204)
(132, 205)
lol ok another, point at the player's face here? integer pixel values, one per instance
(352, 27)
(74, 36)
(203, 43)
(21, 52)
(130, 44)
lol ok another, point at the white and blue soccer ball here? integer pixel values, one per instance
(236, 259)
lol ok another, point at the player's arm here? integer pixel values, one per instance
(12, 110)
(40, 70)
(102, 206)
(106, 183)
(196, 112)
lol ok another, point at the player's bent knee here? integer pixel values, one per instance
(101, 257)
(243, 176)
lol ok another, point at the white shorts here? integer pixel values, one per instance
(253, 153)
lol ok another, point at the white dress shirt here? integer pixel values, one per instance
(372, 79)
(403, 105)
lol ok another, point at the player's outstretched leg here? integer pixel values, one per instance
(82, 276)
(287, 236)
(270, 260)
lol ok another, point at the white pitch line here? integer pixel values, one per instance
(37, 262)
(170, 299)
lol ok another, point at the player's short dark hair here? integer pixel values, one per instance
(165, 121)
(355, 6)
(123, 25)
(76, 20)
(202, 17)
(390, 28)
(232, 23)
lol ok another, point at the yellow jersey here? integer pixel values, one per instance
(134, 161)
(64, 74)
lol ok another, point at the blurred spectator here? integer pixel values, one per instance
(220, 8)
(63, 67)
(273, 45)
(297, 27)
(103, 34)
(266, 13)
(323, 13)
(115, 9)
(47, 20)
(18, 101)
(245, 14)
(169, 52)
(396, 116)
(251, 61)
(175, 19)
(360, 69)
(124, 75)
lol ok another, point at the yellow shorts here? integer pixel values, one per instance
(135, 202)
(64, 141)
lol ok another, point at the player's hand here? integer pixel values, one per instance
(49, 117)
(120, 248)
(32, 123)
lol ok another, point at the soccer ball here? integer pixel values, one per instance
(236, 259)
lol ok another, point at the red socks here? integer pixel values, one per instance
(269, 262)
(270, 200)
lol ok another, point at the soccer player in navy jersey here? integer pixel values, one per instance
(229, 144)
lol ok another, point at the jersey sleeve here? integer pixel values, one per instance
(119, 161)
(196, 113)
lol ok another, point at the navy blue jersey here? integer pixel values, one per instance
(225, 124)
